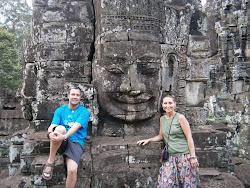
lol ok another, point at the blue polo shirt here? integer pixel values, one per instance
(67, 117)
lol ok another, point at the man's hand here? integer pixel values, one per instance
(56, 137)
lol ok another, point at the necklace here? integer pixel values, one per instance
(170, 117)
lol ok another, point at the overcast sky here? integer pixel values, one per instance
(29, 2)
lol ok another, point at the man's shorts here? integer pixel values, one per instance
(72, 150)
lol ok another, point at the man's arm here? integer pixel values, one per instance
(72, 130)
(81, 122)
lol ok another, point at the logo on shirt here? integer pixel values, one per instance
(70, 122)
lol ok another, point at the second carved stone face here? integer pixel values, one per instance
(128, 78)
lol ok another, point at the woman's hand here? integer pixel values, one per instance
(143, 142)
(194, 162)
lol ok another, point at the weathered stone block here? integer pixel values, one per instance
(142, 176)
(29, 81)
(26, 163)
(143, 155)
(78, 52)
(85, 169)
(75, 69)
(209, 139)
(132, 163)
(176, 32)
(54, 33)
(210, 177)
(64, 51)
(195, 94)
(81, 11)
(15, 152)
(11, 114)
(242, 170)
(15, 181)
(14, 169)
(111, 150)
(198, 46)
(35, 144)
(237, 86)
(18, 137)
(59, 172)
(59, 4)
(52, 65)
(196, 116)
(44, 111)
(54, 16)
(83, 182)
(40, 2)
(4, 162)
(198, 70)
(79, 33)
(13, 125)
(42, 125)
(213, 158)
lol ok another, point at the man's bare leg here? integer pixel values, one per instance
(71, 173)
(54, 146)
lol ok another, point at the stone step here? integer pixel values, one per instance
(241, 170)
(105, 155)
(36, 143)
(15, 181)
(37, 166)
(208, 139)
(212, 178)
(213, 158)
(209, 156)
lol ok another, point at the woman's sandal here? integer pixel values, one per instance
(49, 172)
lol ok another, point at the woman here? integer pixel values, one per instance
(180, 168)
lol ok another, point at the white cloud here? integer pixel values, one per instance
(203, 2)
(29, 2)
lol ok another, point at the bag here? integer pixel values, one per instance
(164, 155)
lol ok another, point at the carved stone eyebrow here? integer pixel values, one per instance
(149, 56)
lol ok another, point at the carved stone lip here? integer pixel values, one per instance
(134, 107)
(141, 98)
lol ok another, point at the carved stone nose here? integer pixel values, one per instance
(133, 87)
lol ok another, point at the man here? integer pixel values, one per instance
(68, 131)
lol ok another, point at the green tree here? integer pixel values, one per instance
(10, 69)
(15, 17)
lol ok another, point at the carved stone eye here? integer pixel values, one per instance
(115, 70)
(150, 71)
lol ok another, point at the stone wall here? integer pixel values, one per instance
(13, 130)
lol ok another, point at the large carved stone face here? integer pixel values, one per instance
(127, 76)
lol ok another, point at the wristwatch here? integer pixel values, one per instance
(193, 157)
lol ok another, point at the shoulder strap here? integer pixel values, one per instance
(170, 128)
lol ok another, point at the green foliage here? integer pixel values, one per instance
(15, 17)
(10, 70)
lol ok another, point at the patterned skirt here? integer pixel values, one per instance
(177, 172)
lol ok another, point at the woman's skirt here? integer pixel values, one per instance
(177, 172)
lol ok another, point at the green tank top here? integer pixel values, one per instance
(177, 143)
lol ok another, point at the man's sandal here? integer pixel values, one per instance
(49, 172)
